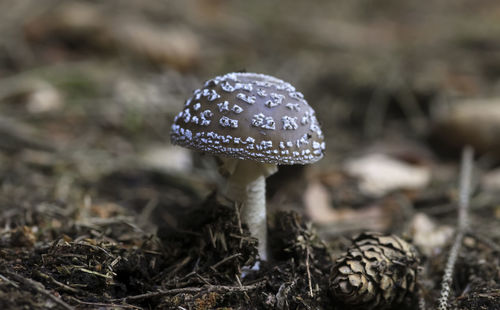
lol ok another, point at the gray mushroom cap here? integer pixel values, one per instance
(250, 116)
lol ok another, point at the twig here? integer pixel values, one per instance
(203, 279)
(60, 284)
(208, 288)
(238, 217)
(39, 288)
(238, 280)
(95, 247)
(485, 240)
(463, 222)
(161, 293)
(237, 276)
(309, 282)
(181, 264)
(214, 267)
(4, 278)
(100, 305)
(95, 273)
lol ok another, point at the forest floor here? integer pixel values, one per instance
(99, 211)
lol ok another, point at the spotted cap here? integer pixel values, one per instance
(250, 116)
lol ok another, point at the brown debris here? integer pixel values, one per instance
(476, 276)
(299, 278)
(87, 26)
(21, 236)
(333, 218)
(481, 297)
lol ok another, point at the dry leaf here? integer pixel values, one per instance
(319, 209)
(380, 174)
(168, 158)
(427, 235)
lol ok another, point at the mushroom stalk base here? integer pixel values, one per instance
(247, 185)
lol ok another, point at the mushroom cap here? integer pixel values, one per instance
(250, 116)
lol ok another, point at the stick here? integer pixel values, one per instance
(463, 222)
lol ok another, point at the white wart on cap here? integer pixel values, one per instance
(250, 116)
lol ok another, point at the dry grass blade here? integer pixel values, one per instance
(463, 221)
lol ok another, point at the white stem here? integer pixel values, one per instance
(247, 185)
(253, 213)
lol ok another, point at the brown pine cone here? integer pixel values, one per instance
(376, 272)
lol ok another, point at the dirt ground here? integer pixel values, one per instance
(99, 211)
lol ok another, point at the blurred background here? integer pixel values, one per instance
(88, 91)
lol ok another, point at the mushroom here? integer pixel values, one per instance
(252, 122)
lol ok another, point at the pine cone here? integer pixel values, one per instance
(376, 272)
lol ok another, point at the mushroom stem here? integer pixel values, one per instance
(247, 185)
(253, 213)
